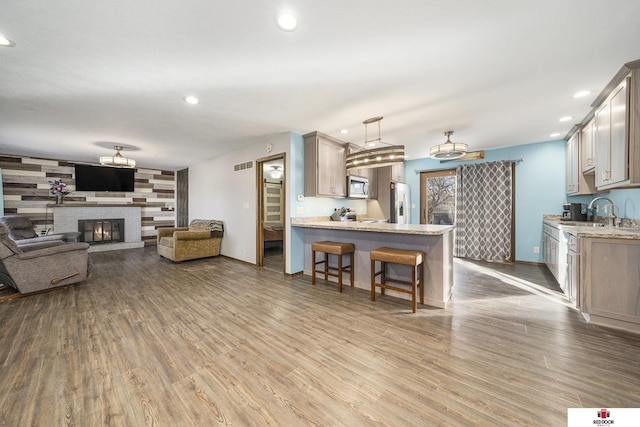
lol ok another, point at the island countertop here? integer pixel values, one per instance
(369, 226)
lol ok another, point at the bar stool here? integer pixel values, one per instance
(335, 248)
(412, 258)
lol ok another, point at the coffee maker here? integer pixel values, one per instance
(566, 210)
(575, 212)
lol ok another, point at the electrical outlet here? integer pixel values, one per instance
(299, 210)
(536, 249)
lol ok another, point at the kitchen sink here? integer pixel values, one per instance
(582, 224)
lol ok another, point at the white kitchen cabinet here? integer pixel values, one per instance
(324, 166)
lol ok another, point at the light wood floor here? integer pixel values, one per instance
(218, 342)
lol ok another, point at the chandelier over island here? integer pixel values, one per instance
(377, 156)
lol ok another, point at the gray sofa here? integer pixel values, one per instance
(41, 265)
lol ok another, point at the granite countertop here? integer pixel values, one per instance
(587, 229)
(367, 225)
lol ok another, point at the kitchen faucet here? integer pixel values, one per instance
(612, 215)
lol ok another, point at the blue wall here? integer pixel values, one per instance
(627, 202)
(540, 188)
(296, 186)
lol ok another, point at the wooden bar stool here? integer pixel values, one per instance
(335, 248)
(412, 258)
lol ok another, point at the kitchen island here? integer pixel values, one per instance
(435, 240)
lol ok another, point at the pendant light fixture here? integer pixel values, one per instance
(449, 150)
(275, 172)
(377, 156)
(117, 159)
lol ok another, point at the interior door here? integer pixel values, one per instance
(270, 226)
(438, 197)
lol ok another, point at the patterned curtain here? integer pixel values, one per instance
(484, 211)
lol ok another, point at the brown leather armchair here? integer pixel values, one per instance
(201, 239)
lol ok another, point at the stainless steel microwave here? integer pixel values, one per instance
(357, 187)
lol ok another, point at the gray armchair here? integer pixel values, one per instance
(21, 231)
(43, 265)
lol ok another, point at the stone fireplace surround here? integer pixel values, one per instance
(66, 216)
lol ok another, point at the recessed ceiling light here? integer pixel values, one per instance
(5, 42)
(287, 21)
(581, 93)
(191, 100)
(565, 118)
(555, 134)
(343, 131)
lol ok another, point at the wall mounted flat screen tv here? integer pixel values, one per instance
(104, 178)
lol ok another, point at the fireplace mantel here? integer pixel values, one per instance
(96, 205)
(66, 216)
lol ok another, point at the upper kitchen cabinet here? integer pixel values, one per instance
(611, 138)
(617, 130)
(588, 148)
(572, 163)
(577, 182)
(324, 166)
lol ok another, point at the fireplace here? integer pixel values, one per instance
(97, 231)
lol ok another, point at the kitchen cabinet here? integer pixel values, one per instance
(588, 147)
(611, 140)
(611, 281)
(551, 245)
(573, 269)
(577, 183)
(572, 163)
(610, 148)
(324, 166)
(562, 258)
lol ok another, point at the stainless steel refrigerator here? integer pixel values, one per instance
(400, 198)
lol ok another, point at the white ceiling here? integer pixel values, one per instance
(86, 75)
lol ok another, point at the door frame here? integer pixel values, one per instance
(260, 210)
(424, 175)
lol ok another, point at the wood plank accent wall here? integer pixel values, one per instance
(25, 181)
(182, 198)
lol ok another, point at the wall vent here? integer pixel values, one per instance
(243, 166)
